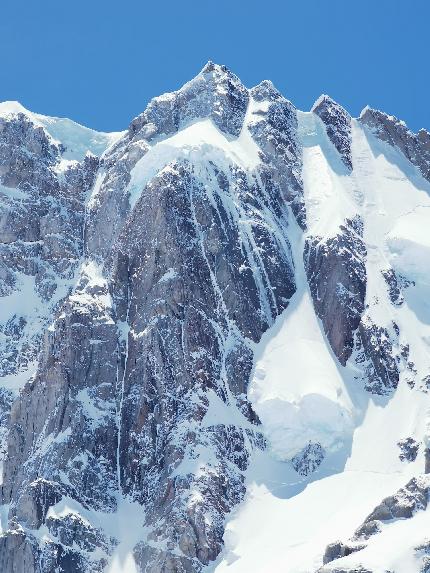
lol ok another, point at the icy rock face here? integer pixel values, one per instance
(274, 128)
(408, 449)
(378, 352)
(337, 277)
(70, 406)
(139, 288)
(338, 125)
(338, 549)
(156, 342)
(409, 499)
(41, 225)
(215, 93)
(19, 553)
(423, 550)
(394, 287)
(309, 459)
(341, 569)
(41, 217)
(195, 292)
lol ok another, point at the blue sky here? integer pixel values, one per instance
(100, 62)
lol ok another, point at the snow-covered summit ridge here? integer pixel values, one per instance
(212, 82)
(75, 139)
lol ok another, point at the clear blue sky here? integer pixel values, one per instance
(99, 62)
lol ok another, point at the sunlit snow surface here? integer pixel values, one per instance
(298, 390)
(199, 142)
(301, 393)
(77, 138)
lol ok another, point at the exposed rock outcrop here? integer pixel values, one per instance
(415, 147)
(337, 122)
(336, 272)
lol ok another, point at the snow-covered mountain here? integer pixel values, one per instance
(215, 338)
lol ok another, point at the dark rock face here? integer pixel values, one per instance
(41, 222)
(409, 499)
(358, 569)
(6, 399)
(19, 552)
(339, 549)
(415, 147)
(408, 449)
(403, 504)
(109, 204)
(309, 459)
(394, 287)
(338, 125)
(192, 294)
(427, 460)
(379, 355)
(275, 131)
(63, 426)
(336, 272)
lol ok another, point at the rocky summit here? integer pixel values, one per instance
(215, 338)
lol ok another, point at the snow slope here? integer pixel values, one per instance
(297, 389)
(302, 394)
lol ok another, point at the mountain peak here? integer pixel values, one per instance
(338, 125)
(388, 128)
(211, 66)
(323, 99)
(423, 135)
(12, 107)
(214, 93)
(266, 90)
(377, 115)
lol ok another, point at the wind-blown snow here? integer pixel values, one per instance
(126, 525)
(14, 382)
(12, 192)
(409, 244)
(77, 139)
